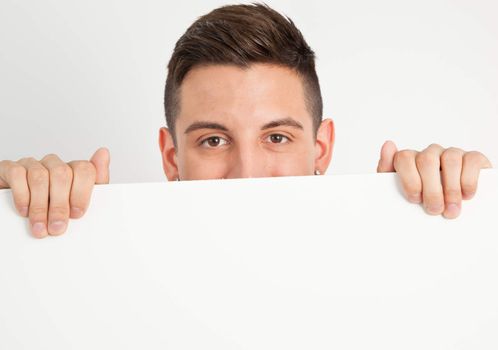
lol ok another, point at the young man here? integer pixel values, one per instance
(242, 99)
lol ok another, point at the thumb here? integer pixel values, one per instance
(386, 161)
(101, 159)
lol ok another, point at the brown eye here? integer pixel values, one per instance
(214, 142)
(278, 138)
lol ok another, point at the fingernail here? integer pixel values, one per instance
(57, 227)
(415, 198)
(39, 229)
(76, 212)
(452, 210)
(434, 209)
(23, 211)
(468, 195)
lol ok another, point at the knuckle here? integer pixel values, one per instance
(59, 211)
(403, 156)
(16, 171)
(425, 159)
(38, 175)
(455, 150)
(453, 194)
(50, 156)
(451, 158)
(435, 146)
(451, 163)
(433, 198)
(61, 172)
(27, 160)
(85, 169)
(37, 211)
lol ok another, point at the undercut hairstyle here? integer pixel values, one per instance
(241, 35)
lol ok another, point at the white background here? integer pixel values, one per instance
(77, 75)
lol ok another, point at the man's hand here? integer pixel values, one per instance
(439, 177)
(50, 191)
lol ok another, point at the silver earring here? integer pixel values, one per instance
(317, 172)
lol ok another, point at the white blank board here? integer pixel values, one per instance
(320, 262)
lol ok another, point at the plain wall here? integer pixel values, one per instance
(77, 75)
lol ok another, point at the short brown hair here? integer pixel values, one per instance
(240, 35)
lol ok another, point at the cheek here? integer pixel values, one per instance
(292, 164)
(196, 167)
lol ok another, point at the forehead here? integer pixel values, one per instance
(254, 94)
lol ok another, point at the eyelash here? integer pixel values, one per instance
(203, 143)
(286, 137)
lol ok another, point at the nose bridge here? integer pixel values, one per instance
(249, 161)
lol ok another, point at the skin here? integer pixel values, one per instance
(236, 123)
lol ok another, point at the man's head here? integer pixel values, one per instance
(242, 99)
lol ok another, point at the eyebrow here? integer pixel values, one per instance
(217, 126)
(282, 122)
(205, 125)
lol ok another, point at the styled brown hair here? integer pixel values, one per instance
(241, 35)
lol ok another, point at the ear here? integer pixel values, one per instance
(168, 154)
(324, 145)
